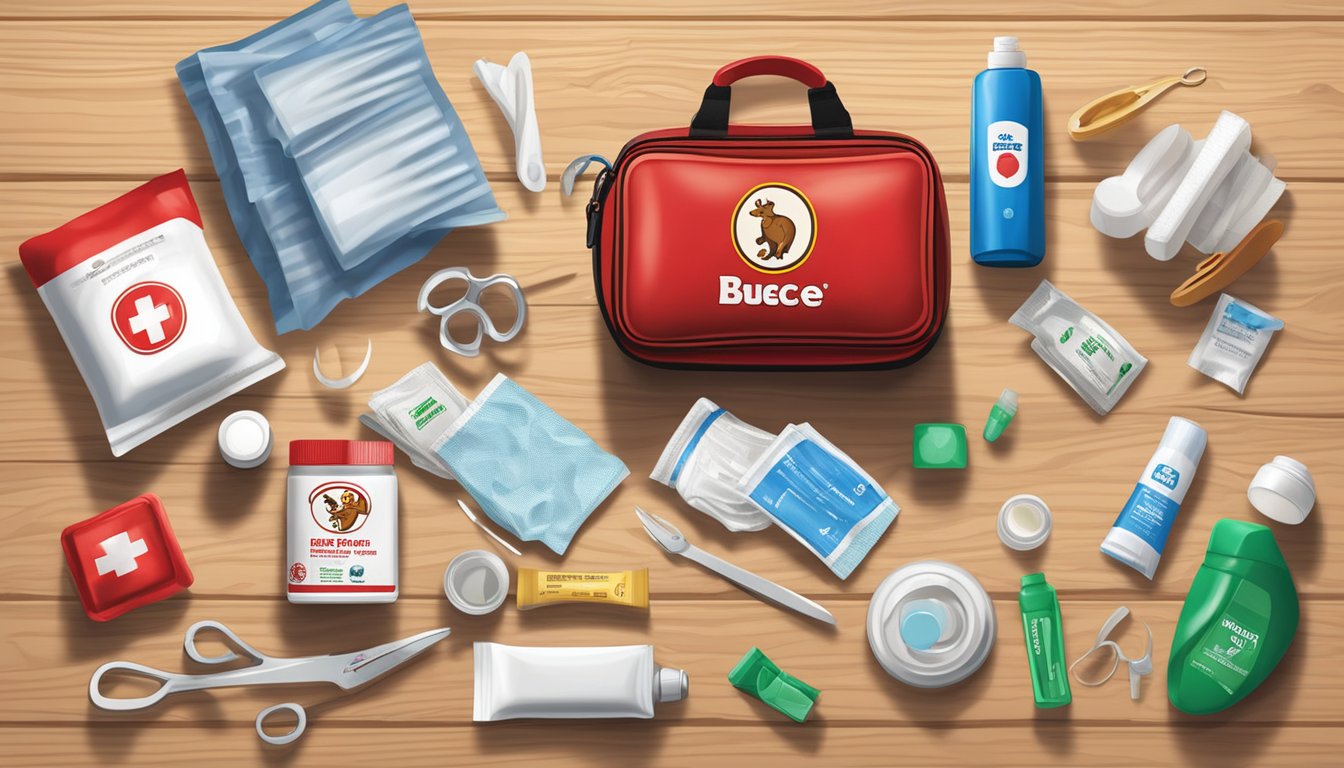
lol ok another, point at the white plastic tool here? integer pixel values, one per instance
(1210, 192)
(511, 88)
(343, 383)
(1138, 668)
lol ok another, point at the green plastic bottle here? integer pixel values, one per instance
(1237, 622)
(1045, 642)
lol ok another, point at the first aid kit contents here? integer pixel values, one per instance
(342, 522)
(1210, 192)
(414, 412)
(670, 539)
(143, 310)
(348, 671)
(1024, 522)
(1044, 634)
(245, 439)
(931, 624)
(593, 682)
(534, 473)
(125, 557)
(1138, 668)
(1238, 620)
(705, 460)
(1007, 161)
(1088, 354)
(1000, 415)
(1233, 342)
(820, 497)
(538, 588)
(756, 675)
(1283, 490)
(1224, 268)
(1140, 532)
(476, 582)
(1119, 107)
(778, 247)
(341, 160)
(939, 446)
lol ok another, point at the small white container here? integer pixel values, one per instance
(930, 624)
(1283, 490)
(1024, 522)
(245, 439)
(476, 582)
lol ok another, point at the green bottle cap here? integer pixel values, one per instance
(758, 676)
(1247, 541)
(940, 446)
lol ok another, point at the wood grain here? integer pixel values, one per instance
(91, 108)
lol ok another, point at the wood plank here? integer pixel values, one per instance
(52, 649)
(97, 107)
(800, 10)
(653, 744)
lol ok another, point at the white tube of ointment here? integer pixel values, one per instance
(604, 681)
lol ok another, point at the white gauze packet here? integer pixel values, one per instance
(1234, 340)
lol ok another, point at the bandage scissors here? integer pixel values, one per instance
(470, 303)
(347, 670)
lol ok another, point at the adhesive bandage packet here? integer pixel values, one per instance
(1087, 353)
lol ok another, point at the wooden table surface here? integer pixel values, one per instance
(90, 107)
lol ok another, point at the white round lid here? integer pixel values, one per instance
(476, 582)
(1024, 522)
(245, 439)
(930, 624)
(1283, 490)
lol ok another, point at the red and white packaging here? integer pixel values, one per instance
(144, 312)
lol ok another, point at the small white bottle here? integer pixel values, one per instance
(1140, 532)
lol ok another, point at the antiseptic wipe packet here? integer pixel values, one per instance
(1086, 352)
(1233, 342)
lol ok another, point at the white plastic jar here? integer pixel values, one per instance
(342, 522)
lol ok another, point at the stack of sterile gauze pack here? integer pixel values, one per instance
(341, 160)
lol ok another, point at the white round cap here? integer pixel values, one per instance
(673, 684)
(1024, 522)
(1186, 438)
(1006, 53)
(245, 439)
(1283, 490)
(918, 599)
(1128, 548)
(476, 582)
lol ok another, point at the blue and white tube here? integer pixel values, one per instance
(1140, 532)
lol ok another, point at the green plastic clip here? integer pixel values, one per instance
(758, 676)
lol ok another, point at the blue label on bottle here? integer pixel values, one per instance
(816, 495)
(1148, 515)
(1166, 476)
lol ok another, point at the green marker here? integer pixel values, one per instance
(1045, 642)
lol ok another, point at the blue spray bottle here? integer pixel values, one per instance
(1007, 161)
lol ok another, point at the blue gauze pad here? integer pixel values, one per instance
(534, 473)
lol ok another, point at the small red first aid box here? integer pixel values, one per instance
(124, 558)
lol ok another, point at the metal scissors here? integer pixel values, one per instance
(348, 670)
(670, 539)
(470, 303)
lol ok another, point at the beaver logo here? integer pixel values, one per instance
(339, 507)
(774, 228)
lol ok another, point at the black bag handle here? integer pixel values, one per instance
(830, 119)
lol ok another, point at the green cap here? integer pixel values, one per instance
(758, 676)
(940, 446)
(1246, 541)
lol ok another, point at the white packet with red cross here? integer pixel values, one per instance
(143, 310)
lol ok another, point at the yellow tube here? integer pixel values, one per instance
(537, 588)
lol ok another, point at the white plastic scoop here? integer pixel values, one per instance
(511, 88)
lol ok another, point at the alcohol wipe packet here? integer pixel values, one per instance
(414, 412)
(1091, 356)
(821, 497)
(1235, 339)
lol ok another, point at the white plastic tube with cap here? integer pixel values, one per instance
(595, 682)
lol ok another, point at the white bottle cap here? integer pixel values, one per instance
(1283, 490)
(1186, 438)
(245, 439)
(673, 684)
(1007, 54)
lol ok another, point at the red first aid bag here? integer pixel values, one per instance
(776, 247)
